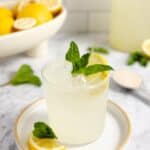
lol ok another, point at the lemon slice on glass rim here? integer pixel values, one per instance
(98, 81)
(96, 58)
(146, 47)
(44, 144)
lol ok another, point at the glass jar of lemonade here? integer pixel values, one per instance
(76, 105)
(130, 24)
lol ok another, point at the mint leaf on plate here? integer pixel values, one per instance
(96, 68)
(42, 130)
(25, 75)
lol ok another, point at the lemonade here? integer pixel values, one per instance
(76, 104)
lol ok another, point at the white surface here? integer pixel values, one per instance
(115, 133)
(88, 5)
(94, 13)
(28, 39)
(13, 99)
(98, 22)
(76, 22)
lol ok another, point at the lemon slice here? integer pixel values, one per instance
(146, 47)
(44, 144)
(97, 59)
(100, 78)
(24, 23)
(54, 6)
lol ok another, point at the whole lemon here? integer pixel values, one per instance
(37, 11)
(6, 25)
(5, 12)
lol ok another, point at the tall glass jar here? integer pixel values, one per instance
(130, 24)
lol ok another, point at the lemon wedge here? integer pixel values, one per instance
(24, 23)
(146, 47)
(44, 144)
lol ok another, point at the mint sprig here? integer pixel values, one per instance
(80, 63)
(42, 130)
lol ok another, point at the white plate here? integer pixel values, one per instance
(115, 136)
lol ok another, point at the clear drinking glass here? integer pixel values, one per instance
(76, 113)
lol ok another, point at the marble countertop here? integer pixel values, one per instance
(13, 99)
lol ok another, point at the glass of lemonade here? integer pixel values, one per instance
(76, 105)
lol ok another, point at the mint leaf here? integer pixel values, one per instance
(96, 68)
(78, 66)
(25, 75)
(42, 130)
(98, 49)
(73, 54)
(84, 60)
(144, 61)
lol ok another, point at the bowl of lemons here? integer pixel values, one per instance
(26, 24)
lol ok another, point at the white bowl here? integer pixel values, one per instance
(17, 42)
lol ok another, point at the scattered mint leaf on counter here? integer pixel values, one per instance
(42, 130)
(80, 64)
(96, 68)
(138, 57)
(98, 49)
(144, 61)
(24, 75)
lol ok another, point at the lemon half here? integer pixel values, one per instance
(44, 144)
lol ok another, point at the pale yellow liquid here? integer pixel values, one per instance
(76, 111)
(130, 24)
